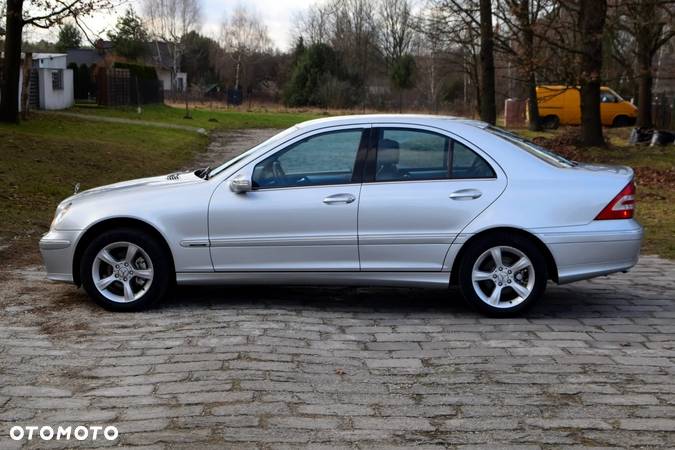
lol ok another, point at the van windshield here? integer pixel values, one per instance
(532, 148)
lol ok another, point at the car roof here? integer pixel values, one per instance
(444, 122)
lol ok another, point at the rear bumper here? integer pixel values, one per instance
(599, 248)
(57, 249)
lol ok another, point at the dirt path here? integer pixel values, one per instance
(226, 144)
(129, 121)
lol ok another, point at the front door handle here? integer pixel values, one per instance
(339, 198)
(466, 194)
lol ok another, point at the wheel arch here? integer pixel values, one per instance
(554, 117)
(110, 224)
(623, 120)
(551, 266)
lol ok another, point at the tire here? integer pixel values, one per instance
(479, 287)
(147, 272)
(550, 122)
(623, 121)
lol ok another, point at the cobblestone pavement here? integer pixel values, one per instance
(261, 367)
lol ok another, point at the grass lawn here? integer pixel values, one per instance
(43, 158)
(202, 118)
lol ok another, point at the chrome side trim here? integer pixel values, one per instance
(590, 236)
(285, 241)
(54, 244)
(61, 277)
(396, 239)
(570, 275)
(419, 279)
(384, 239)
(194, 243)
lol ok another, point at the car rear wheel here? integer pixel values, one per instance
(502, 275)
(125, 270)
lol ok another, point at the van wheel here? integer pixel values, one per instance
(550, 122)
(623, 121)
(502, 274)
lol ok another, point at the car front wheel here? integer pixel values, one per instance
(125, 270)
(502, 274)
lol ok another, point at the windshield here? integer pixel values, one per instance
(274, 139)
(532, 148)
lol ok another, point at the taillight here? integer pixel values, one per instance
(622, 206)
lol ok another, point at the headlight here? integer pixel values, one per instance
(61, 211)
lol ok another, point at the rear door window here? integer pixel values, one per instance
(412, 155)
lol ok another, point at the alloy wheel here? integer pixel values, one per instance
(503, 277)
(122, 272)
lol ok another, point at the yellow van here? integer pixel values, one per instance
(561, 105)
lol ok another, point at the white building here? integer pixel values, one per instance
(51, 83)
(161, 57)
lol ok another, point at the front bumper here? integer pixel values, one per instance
(599, 248)
(57, 249)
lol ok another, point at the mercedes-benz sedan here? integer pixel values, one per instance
(397, 200)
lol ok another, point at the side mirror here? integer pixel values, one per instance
(241, 184)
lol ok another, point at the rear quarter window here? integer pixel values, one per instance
(468, 164)
(530, 147)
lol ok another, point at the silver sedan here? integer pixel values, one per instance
(394, 200)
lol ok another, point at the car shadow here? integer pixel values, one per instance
(564, 302)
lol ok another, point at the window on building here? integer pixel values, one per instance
(57, 80)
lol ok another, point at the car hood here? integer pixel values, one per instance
(140, 184)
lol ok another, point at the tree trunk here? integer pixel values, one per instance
(9, 103)
(25, 88)
(488, 108)
(592, 14)
(534, 123)
(645, 58)
(645, 94)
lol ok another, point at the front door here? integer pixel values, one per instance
(421, 188)
(302, 212)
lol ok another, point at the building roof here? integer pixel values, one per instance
(38, 55)
(159, 54)
(86, 56)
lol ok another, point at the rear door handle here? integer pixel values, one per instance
(339, 198)
(466, 194)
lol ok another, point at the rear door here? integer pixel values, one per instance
(421, 188)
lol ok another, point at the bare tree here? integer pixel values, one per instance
(518, 41)
(314, 25)
(488, 106)
(591, 23)
(168, 21)
(573, 31)
(642, 28)
(244, 34)
(353, 34)
(396, 30)
(43, 14)
(468, 23)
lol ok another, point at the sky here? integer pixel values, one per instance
(277, 14)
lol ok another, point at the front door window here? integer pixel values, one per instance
(325, 159)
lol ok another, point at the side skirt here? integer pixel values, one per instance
(412, 279)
